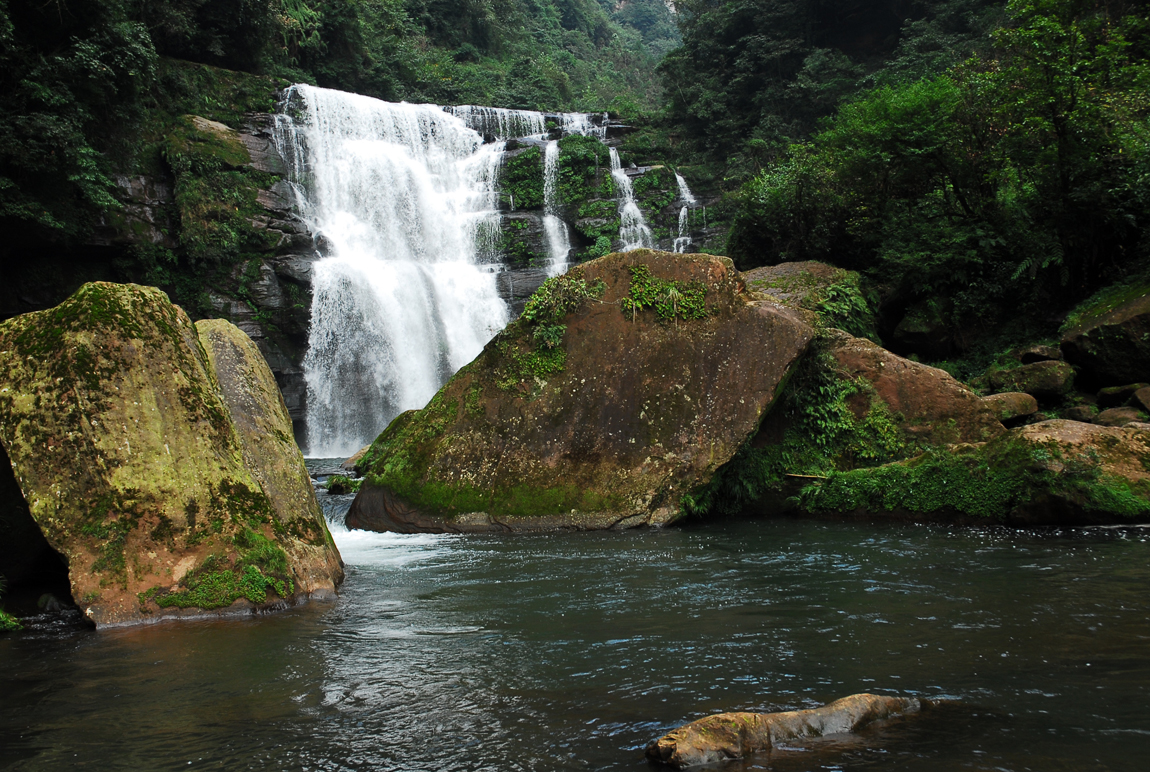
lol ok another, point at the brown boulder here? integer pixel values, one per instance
(729, 736)
(1083, 413)
(353, 460)
(1033, 354)
(1109, 339)
(1119, 416)
(1141, 399)
(1011, 404)
(931, 406)
(598, 412)
(1043, 380)
(1116, 396)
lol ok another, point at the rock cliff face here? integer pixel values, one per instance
(156, 457)
(622, 386)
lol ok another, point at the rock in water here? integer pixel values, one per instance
(625, 383)
(156, 456)
(735, 735)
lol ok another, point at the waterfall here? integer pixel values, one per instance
(499, 123)
(399, 196)
(581, 123)
(684, 239)
(558, 240)
(633, 230)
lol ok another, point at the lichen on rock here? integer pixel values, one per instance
(156, 456)
(602, 414)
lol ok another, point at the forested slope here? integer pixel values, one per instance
(84, 80)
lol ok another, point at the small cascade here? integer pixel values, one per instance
(500, 124)
(684, 239)
(583, 125)
(633, 230)
(400, 195)
(558, 240)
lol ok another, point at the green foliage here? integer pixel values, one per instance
(340, 484)
(754, 76)
(582, 162)
(531, 349)
(1017, 174)
(559, 296)
(8, 623)
(671, 300)
(71, 81)
(521, 180)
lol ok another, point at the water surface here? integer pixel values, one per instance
(571, 652)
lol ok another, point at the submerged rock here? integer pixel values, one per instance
(624, 384)
(156, 457)
(734, 735)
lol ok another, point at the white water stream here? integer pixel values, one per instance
(684, 239)
(558, 240)
(398, 196)
(633, 230)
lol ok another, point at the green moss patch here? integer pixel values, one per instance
(260, 570)
(983, 482)
(1104, 302)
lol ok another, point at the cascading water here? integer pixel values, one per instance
(558, 240)
(684, 239)
(500, 123)
(399, 194)
(633, 230)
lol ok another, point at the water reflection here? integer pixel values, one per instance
(572, 651)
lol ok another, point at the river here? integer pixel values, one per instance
(572, 651)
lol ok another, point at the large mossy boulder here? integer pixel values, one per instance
(156, 457)
(623, 385)
(1051, 472)
(1108, 336)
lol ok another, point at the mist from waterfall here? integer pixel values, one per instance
(633, 230)
(684, 239)
(558, 240)
(399, 197)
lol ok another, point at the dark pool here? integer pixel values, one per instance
(571, 652)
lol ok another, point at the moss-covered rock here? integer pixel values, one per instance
(1011, 405)
(1108, 336)
(623, 385)
(1046, 381)
(850, 404)
(156, 456)
(1052, 472)
(832, 294)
